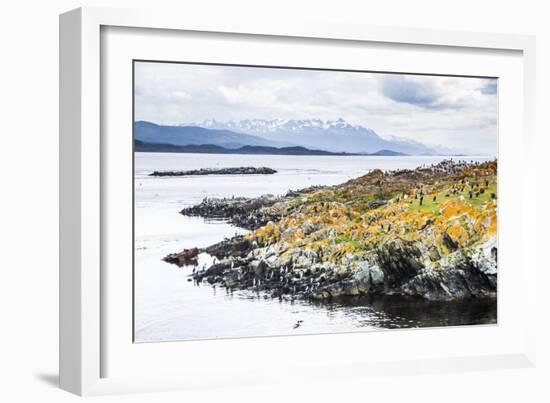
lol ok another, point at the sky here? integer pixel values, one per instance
(455, 112)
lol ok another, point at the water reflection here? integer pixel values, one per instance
(381, 311)
(395, 311)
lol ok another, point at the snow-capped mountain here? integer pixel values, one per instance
(261, 126)
(336, 135)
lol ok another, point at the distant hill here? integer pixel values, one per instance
(185, 135)
(141, 146)
(388, 153)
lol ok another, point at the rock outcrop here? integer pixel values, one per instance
(249, 213)
(427, 233)
(394, 268)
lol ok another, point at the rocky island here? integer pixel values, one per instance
(430, 232)
(218, 171)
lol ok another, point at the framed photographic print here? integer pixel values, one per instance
(293, 220)
(255, 194)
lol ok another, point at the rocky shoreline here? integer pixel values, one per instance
(240, 211)
(326, 243)
(395, 269)
(243, 212)
(218, 171)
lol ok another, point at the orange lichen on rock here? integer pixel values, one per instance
(440, 210)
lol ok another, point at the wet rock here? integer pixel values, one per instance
(351, 288)
(186, 257)
(450, 285)
(259, 267)
(458, 277)
(369, 274)
(393, 268)
(399, 261)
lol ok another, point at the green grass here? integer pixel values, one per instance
(345, 197)
(476, 202)
(346, 239)
(428, 204)
(342, 238)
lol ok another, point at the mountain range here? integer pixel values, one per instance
(192, 134)
(333, 136)
(336, 135)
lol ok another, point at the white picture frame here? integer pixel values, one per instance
(83, 342)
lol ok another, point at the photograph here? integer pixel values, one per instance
(280, 201)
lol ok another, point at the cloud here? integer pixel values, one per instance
(440, 93)
(489, 88)
(449, 111)
(410, 91)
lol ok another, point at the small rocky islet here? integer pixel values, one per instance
(218, 171)
(430, 232)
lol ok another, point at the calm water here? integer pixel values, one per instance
(169, 307)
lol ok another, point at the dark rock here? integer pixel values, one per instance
(242, 212)
(186, 257)
(237, 246)
(218, 171)
(398, 261)
(376, 203)
(449, 243)
(449, 285)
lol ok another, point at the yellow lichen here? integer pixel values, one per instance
(462, 207)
